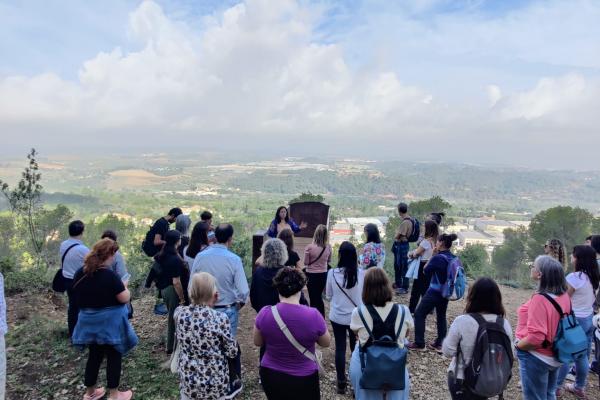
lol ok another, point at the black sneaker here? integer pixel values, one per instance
(235, 388)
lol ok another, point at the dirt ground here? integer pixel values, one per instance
(427, 369)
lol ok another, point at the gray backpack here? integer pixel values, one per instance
(490, 368)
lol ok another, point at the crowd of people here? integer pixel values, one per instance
(202, 287)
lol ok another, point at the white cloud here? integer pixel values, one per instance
(255, 74)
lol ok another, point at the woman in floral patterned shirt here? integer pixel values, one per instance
(204, 336)
(373, 252)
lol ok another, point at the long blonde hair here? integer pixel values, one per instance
(321, 236)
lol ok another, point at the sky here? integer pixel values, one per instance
(474, 81)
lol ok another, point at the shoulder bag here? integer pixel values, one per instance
(315, 357)
(58, 282)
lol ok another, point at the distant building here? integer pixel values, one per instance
(470, 237)
(493, 225)
(457, 227)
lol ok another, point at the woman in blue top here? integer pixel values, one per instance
(283, 221)
(437, 269)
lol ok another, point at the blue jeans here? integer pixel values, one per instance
(401, 264)
(363, 394)
(233, 315)
(235, 364)
(582, 366)
(538, 379)
(430, 301)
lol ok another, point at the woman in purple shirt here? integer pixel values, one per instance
(289, 369)
(283, 221)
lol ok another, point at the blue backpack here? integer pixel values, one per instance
(570, 342)
(382, 361)
(456, 283)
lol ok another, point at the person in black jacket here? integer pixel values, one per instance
(172, 278)
(262, 292)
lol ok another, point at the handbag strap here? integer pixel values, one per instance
(343, 291)
(317, 259)
(62, 261)
(305, 352)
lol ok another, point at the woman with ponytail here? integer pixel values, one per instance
(433, 299)
(102, 324)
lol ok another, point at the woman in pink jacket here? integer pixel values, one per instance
(536, 327)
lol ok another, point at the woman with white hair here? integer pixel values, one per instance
(204, 337)
(274, 256)
(537, 325)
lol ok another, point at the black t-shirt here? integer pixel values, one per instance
(293, 259)
(171, 266)
(184, 242)
(99, 290)
(160, 227)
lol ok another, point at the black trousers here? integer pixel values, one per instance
(458, 391)
(113, 365)
(340, 333)
(73, 310)
(316, 285)
(419, 287)
(280, 386)
(430, 301)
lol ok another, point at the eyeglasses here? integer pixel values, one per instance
(531, 265)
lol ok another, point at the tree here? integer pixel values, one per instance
(307, 197)
(421, 208)
(475, 260)
(570, 225)
(511, 255)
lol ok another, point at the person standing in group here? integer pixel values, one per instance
(287, 236)
(344, 290)
(182, 225)
(152, 244)
(119, 267)
(595, 365)
(198, 242)
(425, 251)
(581, 287)
(207, 218)
(289, 369)
(101, 297)
(317, 256)
(283, 221)
(373, 252)
(433, 299)
(484, 304)
(3, 331)
(72, 253)
(537, 323)
(382, 317)
(401, 246)
(555, 249)
(205, 340)
(262, 293)
(171, 281)
(232, 285)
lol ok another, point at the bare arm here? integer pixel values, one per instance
(178, 289)
(158, 240)
(257, 337)
(124, 296)
(324, 340)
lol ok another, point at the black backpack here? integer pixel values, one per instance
(490, 368)
(416, 230)
(148, 246)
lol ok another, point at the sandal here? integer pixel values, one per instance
(126, 395)
(97, 395)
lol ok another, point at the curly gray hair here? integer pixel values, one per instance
(274, 253)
